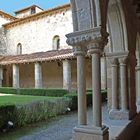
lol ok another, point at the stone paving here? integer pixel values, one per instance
(61, 129)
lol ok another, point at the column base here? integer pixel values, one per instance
(119, 114)
(90, 133)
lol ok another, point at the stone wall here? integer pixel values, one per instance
(37, 35)
(3, 48)
(3, 21)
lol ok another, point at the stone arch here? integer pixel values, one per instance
(56, 42)
(19, 48)
(117, 27)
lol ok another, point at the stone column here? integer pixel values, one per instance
(67, 75)
(1, 76)
(138, 84)
(103, 73)
(114, 112)
(81, 87)
(96, 87)
(114, 84)
(91, 40)
(38, 75)
(123, 83)
(15, 75)
(137, 69)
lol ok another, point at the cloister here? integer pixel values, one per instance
(93, 22)
(106, 35)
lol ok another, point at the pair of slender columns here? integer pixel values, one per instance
(122, 64)
(96, 88)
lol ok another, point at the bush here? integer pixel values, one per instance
(35, 92)
(74, 102)
(22, 115)
(7, 113)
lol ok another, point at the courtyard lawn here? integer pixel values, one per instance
(27, 109)
(22, 99)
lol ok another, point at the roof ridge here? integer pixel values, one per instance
(7, 15)
(38, 14)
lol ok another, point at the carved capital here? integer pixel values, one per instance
(94, 48)
(79, 50)
(114, 61)
(123, 60)
(82, 38)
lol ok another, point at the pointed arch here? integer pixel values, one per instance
(117, 27)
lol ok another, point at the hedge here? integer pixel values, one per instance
(73, 98)
(22, 115)
(35, 92)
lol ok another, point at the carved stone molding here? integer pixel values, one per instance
(123, 60)
(114, 61)
(95, 48)
(79, 50)
(82, 38)
(117, 54)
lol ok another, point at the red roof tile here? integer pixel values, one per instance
(37, 57)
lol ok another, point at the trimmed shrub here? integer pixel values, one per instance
(22, 115)
(8, 90)
(35, 92)
(74, 101)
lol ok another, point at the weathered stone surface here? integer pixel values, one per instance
(37, 35)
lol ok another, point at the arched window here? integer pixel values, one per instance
(19, 48)
(56, 42)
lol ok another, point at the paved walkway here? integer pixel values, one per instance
(59, 129)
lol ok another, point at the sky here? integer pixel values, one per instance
(10, 6)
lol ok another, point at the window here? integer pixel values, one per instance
(32, 10)
(56, 43)
(19, 48)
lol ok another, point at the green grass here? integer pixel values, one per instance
(22, 99)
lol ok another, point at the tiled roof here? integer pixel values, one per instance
(37, 57)
(7, 15)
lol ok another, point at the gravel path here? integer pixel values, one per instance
(58, 129)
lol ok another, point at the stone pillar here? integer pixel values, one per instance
(1, 76)
(96, 87)
(138, 84)
(123, 83)
(115, 92)
(81, 40)
(81, 87)
(114, 84)
(15, 75)
(38, 75)
(103, 73)
(137, 69)
(67, 75)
